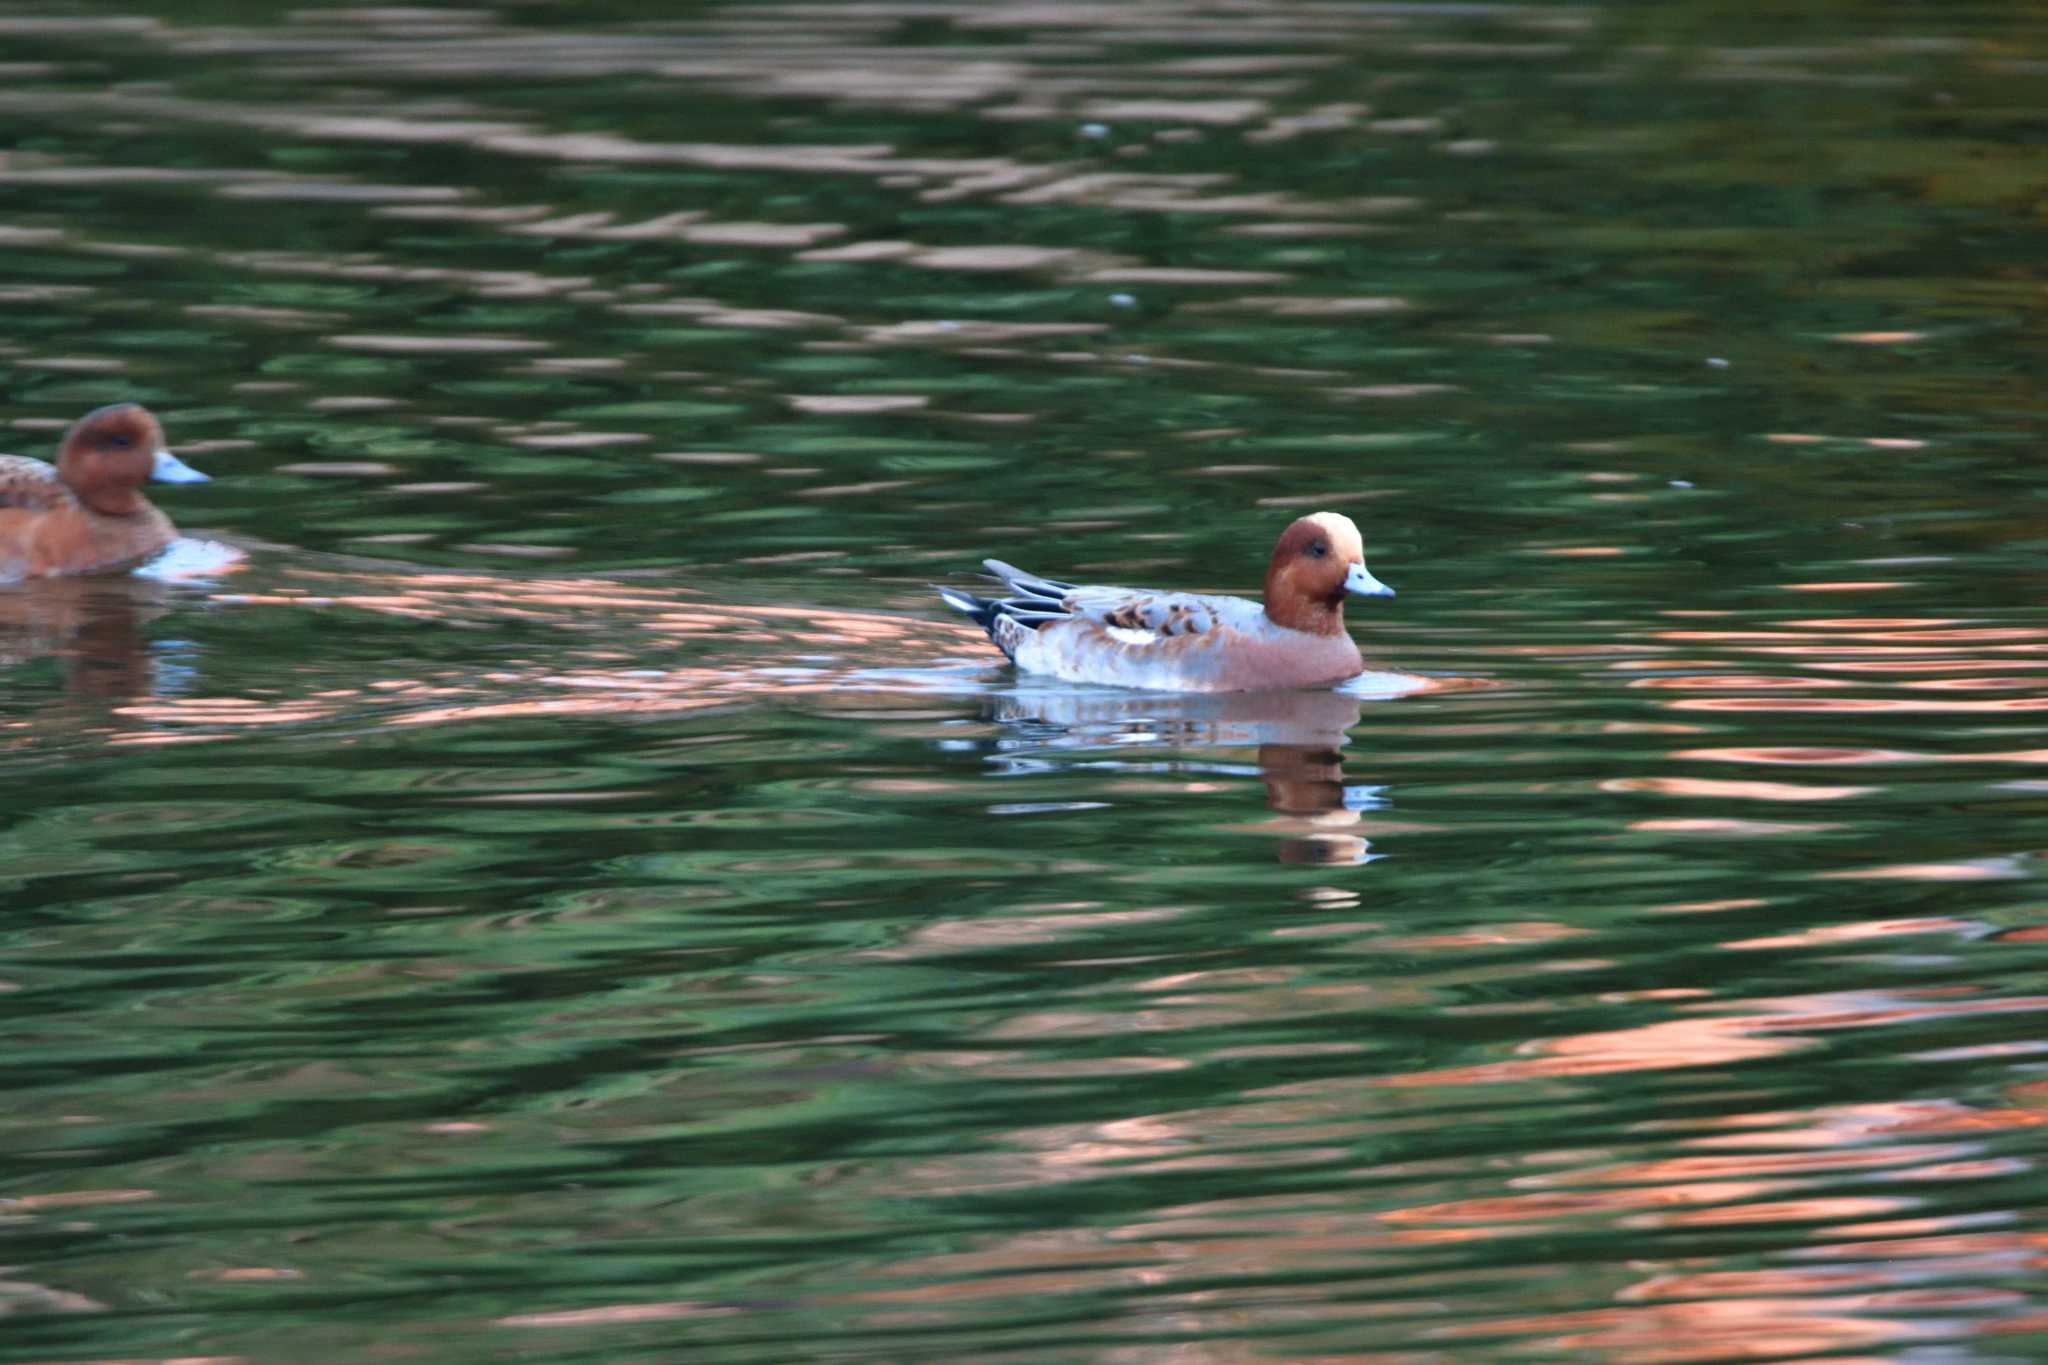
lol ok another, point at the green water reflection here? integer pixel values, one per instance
(544, 878)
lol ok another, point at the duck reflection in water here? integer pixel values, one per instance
(1298, 736)
(95, 628)
(92, 627)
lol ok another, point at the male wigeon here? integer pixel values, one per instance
(87, 514)
(1187, 642)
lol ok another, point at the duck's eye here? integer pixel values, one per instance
(120, 440)
(1318, 550)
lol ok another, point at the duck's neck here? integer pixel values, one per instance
(115, 502)
(1310, 615)
(106, 498)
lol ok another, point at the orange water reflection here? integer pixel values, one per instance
(613, 657)
(1854, 1276)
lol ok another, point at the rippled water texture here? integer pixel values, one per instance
(539, 876)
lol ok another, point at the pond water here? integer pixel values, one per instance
(539, 875)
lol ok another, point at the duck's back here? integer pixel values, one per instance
(45, 530)
(30, 485)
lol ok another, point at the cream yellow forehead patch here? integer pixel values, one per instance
(1342, 531)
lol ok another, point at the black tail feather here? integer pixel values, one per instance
(982, 610)
(1006, 619)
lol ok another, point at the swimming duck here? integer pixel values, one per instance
(1190, 642)
(87, 515)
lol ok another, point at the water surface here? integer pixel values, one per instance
(542, 877)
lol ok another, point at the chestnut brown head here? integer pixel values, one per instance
(111, 451)
(1317, 564)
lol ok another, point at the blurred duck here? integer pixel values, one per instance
(87, 514)
(1189, 642)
